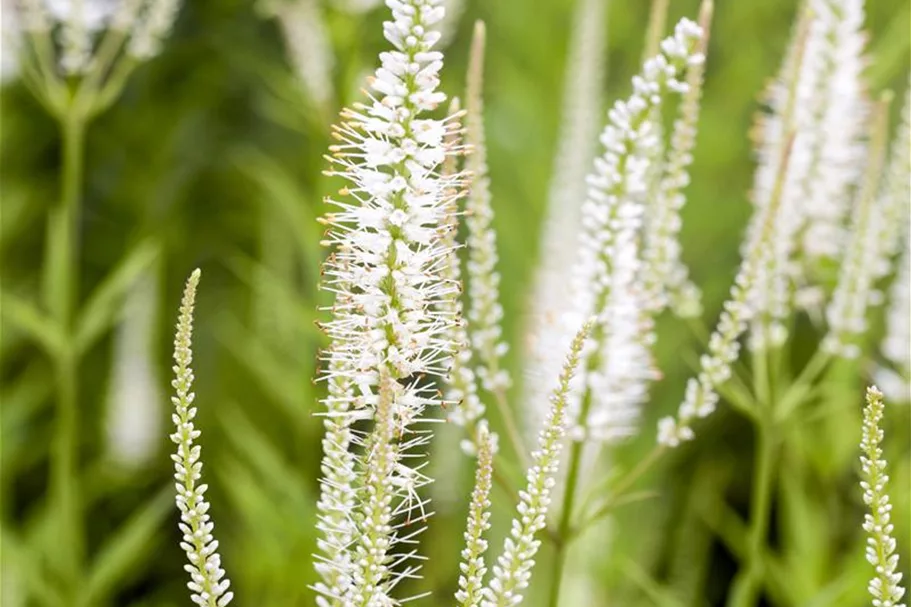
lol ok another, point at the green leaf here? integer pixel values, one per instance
(100, 311)
(289, 304)
(659, 594)
(806, 541)
(270, 466)
(890, 50)
(284, 381)
(25, 561)
(23, 398)
(126, 549)
(30, 320)
(281, 190)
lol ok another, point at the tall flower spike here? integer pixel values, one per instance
(461, 385)
(388, 333)
(208, 584)
(665, 277)
(472, 566)
(830, 126)
(896, 239)
(772, 291)
(337, 498)
(389, 490)
(886, 587)
(896, 195)
(896, 345)
(825, 60)
(607, 280)
(847, 312)
(485, 313)
(701, 397)
(577, 146)
(512, 572)
(308, 48)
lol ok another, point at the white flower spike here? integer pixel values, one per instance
(512, 572)
(607, 278)
(665, 276)
(885, 587)
(821, 98)
(472, 566)
(701, 396)
(208, 584)
(485, 313)
(390, 329)
(581, 118)
(847, 311)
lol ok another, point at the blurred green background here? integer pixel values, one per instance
(212, 158)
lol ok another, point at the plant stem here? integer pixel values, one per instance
(619, 492)
(61, 280)
(566, 511)
(746, 584)
(801, 387)
(512, 428)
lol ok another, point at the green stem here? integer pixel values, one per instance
(802, 386)
(747, 583)
(61, 280)
(512, 428)
(566, 511)
(618, 493)
(761, 376)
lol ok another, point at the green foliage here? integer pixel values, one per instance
(212, 157)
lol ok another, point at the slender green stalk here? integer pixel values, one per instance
(618, 493)
(514, 566)
(566, 509)
(801, 387)
(657, 23)
(761, 378)
(61, 293)
(748, 582)
(512, 428)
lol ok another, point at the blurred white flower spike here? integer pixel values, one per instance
(820, 96)
(847, 310)
(390, 330)
(307, 47)
(81, 29)
(895, 240)
(578, 144)
(76, 56)
(666, 278)
(613, 381)
(486, 313)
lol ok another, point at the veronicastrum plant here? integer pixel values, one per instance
(75, 57)
(408, 347)
(402, 342)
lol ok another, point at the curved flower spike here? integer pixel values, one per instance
(208, 584)
(512, 572)
(847, 311)
(885, 587)
(472, 566)
(485, 313)
(577, 147)
(607, 278)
